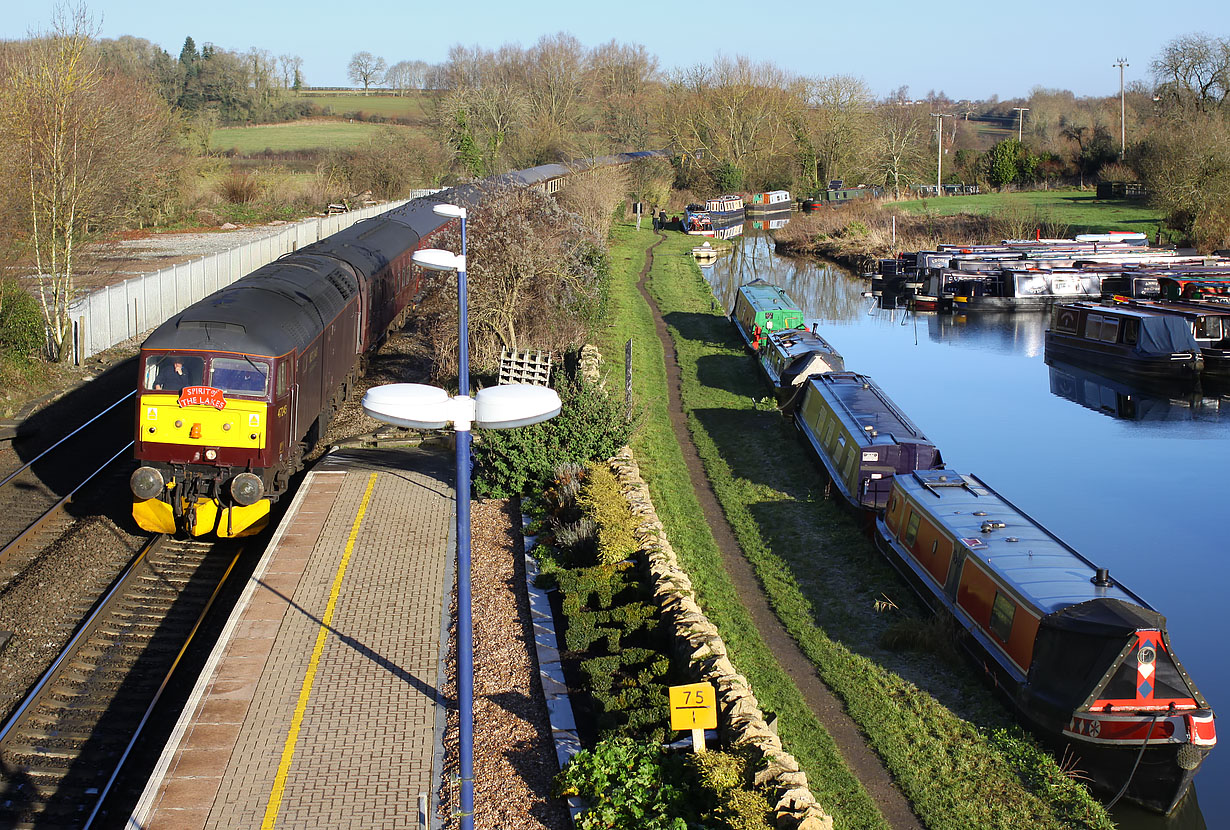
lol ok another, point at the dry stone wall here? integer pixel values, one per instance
(698, 642)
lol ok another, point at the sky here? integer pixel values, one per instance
(967, 49)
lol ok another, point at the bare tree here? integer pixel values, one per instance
(292, 71)
(87, 145)
(898, 143)
(834, 127)
(367, 69)
(1194, 71)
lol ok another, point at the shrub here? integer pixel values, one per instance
(630, 786)
(591, 426)
(603, 502)
(21, 322)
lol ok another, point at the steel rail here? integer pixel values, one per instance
(82, 631)
(59, 505)
(119, 765)
(42, 454)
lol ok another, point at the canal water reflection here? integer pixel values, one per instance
(1136, 482)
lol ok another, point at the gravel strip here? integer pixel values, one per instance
(514, 758)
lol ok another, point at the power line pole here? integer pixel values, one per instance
(1020, 123)
(939, 147)
(1122, 62)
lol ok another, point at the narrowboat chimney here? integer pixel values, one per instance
(1102, 579)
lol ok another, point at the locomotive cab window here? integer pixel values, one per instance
(240, 376)
(283, 377)
(172, 372)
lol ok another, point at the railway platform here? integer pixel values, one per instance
(319, 705)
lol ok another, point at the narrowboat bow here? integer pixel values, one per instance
(1086, 662)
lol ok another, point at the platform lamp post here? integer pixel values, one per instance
(419, 406)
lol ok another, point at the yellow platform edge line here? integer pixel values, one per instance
(305, 693)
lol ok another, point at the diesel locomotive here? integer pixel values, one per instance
(236, 388)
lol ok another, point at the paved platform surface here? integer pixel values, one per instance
(318, 707)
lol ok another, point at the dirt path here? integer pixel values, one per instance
(860, 758)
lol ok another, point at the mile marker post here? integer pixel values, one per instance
(694, 708)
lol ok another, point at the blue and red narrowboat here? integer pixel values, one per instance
(1086, 661)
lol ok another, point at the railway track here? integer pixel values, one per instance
(63, 747)
(36, 497)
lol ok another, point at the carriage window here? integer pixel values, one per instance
(911, 530)
(239, 376)
(1002, 612)
(172, 372)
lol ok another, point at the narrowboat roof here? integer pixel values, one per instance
(866, 411)
(1044, 570)
(764, 296)
(794, 343)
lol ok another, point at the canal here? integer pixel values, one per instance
(1133, 482)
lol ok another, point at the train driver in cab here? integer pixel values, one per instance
(175, 372)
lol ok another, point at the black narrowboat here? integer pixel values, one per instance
(1087, 662)
(861, 436)
(1210, 324)
(790, 357)
(1124, 341)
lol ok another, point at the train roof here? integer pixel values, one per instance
(364, 245)
(1042, 569)
(278, 308)
(867, 412)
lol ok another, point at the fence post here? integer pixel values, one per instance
(628, 378)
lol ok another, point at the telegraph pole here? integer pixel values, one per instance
(1020, 123)
(939, 147)
(1122, 62)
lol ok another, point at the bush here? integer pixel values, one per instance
(590, 427)
(603, 502)
(21, 322)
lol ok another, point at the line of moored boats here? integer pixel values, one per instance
(1149, 314)
(1087, 662)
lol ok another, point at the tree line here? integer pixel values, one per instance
(99, 134)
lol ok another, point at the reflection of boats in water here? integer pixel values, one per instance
(1135, 400)
(727, 230)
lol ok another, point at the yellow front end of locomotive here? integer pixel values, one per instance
(239, 425)
(204, 429)
(208, 517)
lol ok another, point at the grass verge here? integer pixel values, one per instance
(821, 575)
(663, 468)
(1082, 211)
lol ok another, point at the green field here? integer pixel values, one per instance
(1082, 211)
(412, 105)
(311, 134)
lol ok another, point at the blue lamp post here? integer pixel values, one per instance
(419, 406)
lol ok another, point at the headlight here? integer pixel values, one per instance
(146, 483)
(246, 489)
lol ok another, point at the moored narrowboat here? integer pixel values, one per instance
(696, 221)
(789, 358)
(1210, 324)
(772, 201)
(725, 208)
(861, 437)
(1087, 662)
(1123, 340)
(761, 309)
